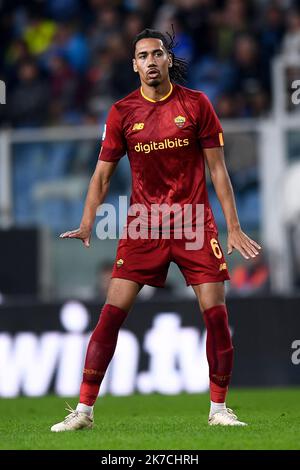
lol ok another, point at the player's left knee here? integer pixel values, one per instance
(216, 321)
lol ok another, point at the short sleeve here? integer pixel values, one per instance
(210, 132)
(113, 142)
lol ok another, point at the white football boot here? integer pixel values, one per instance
(225, 418)
(74, 421)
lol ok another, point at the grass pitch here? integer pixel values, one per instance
(156, 422)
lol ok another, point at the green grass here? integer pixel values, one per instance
(156, 422)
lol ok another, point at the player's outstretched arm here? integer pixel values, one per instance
(237, 239)
(97, 191)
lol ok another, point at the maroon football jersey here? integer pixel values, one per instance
(164, 141)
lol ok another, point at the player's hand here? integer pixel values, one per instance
(82, 233)
(245, 245)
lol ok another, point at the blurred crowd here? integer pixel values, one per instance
(67, 61)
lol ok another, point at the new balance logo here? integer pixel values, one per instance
(138, 126)
(223, 266)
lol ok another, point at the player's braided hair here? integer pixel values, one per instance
(178, 71)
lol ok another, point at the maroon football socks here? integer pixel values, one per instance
(219, 351)
(100, 351)
(103, 343)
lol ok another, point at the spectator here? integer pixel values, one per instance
(63, 88)
(30, 97)
(271, 32)
(226, 106)
(99, 88)
(107, 24)
(291, 41)
(123, 79)
(233, 20)
(39, 34)
(69, 42)
(250, 278)
(133, 24)
(249, 73)
(211, 76)
(17, 52)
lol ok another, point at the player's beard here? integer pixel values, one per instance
(155, 82)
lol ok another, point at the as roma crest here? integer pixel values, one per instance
(180, 121)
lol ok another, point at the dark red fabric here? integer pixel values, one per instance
(146, 261)
(100, 351)
(219, 347)
(217, 393)
(164, 141)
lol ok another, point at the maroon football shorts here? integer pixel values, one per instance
(146, 261)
